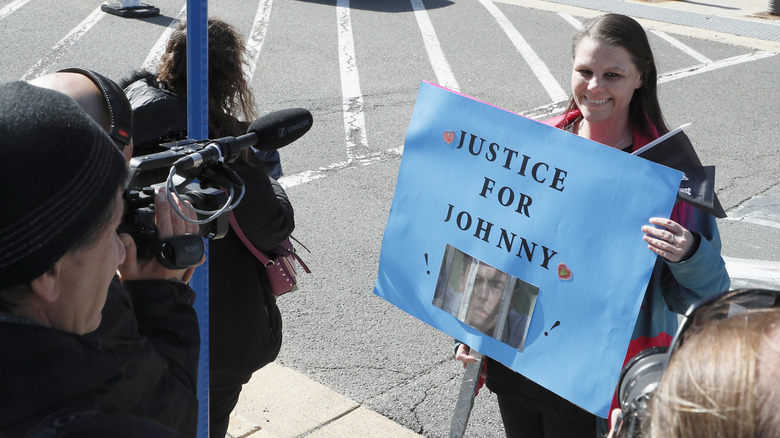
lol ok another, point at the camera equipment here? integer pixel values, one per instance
(642, 374)
(213, 194)
(638, 380)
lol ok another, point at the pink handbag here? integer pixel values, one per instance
(280, 267)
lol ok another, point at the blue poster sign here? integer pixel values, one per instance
(523, 241)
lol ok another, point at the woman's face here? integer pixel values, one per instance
(603, 81)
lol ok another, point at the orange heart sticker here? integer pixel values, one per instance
(564, 273)
(448, 136)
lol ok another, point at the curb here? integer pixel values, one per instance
(279, 402)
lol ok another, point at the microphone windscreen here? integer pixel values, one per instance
(281, 128)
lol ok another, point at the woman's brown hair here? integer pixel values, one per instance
(229, 92)
(625, 32)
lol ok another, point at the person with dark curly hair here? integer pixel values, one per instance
(245, 323)
(159, 99)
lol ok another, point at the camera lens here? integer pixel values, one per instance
(640, 377)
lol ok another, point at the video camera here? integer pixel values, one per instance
(198, 171)
(638, 380)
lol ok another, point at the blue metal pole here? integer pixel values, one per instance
(198, 129)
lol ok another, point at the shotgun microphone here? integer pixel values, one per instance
(270, 132)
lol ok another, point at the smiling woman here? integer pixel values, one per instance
(614, 102)
(603, 82)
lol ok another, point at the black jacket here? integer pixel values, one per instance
(49, 376)
(152, 330)
(159, 116)
(245, 325)
(240, 305)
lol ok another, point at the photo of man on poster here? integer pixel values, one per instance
(484, 297)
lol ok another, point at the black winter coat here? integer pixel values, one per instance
(50, 380)
(240, 304)
(245, 325)
(152, 330)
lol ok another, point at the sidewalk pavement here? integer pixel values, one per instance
(741, 22)
(744, 18)
(279, 402)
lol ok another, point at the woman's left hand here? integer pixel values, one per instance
(672, 242)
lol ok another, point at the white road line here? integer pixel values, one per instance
(354, 118)
(759, 221)
(546, 111)
(153, 58)
(663, 35)
(59, 49)
(254, 43)
(687, 50)
(11, 7)
(306, 176)
(759, 210)
(748, 269)
(439, 63)
(577, 24)
(531, 58)
(715, 65)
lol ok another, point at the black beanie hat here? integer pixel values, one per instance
(60, 172)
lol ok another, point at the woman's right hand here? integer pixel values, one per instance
(462, 354)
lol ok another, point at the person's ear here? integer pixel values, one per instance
(47, 286)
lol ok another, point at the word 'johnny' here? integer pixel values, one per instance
(483, 230)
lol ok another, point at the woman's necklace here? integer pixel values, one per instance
(617, 146)
(578, 126)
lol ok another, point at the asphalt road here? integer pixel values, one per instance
(357, 66)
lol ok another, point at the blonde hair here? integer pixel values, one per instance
(722, 381)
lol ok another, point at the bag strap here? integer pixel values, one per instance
(300, 262)
(256, 252)
(259, 254)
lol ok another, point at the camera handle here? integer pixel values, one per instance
(180, 252)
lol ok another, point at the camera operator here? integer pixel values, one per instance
(156, 384)
(721, 377)
(245, 324)
(149, 326)
(61, 196)
(723, 381)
